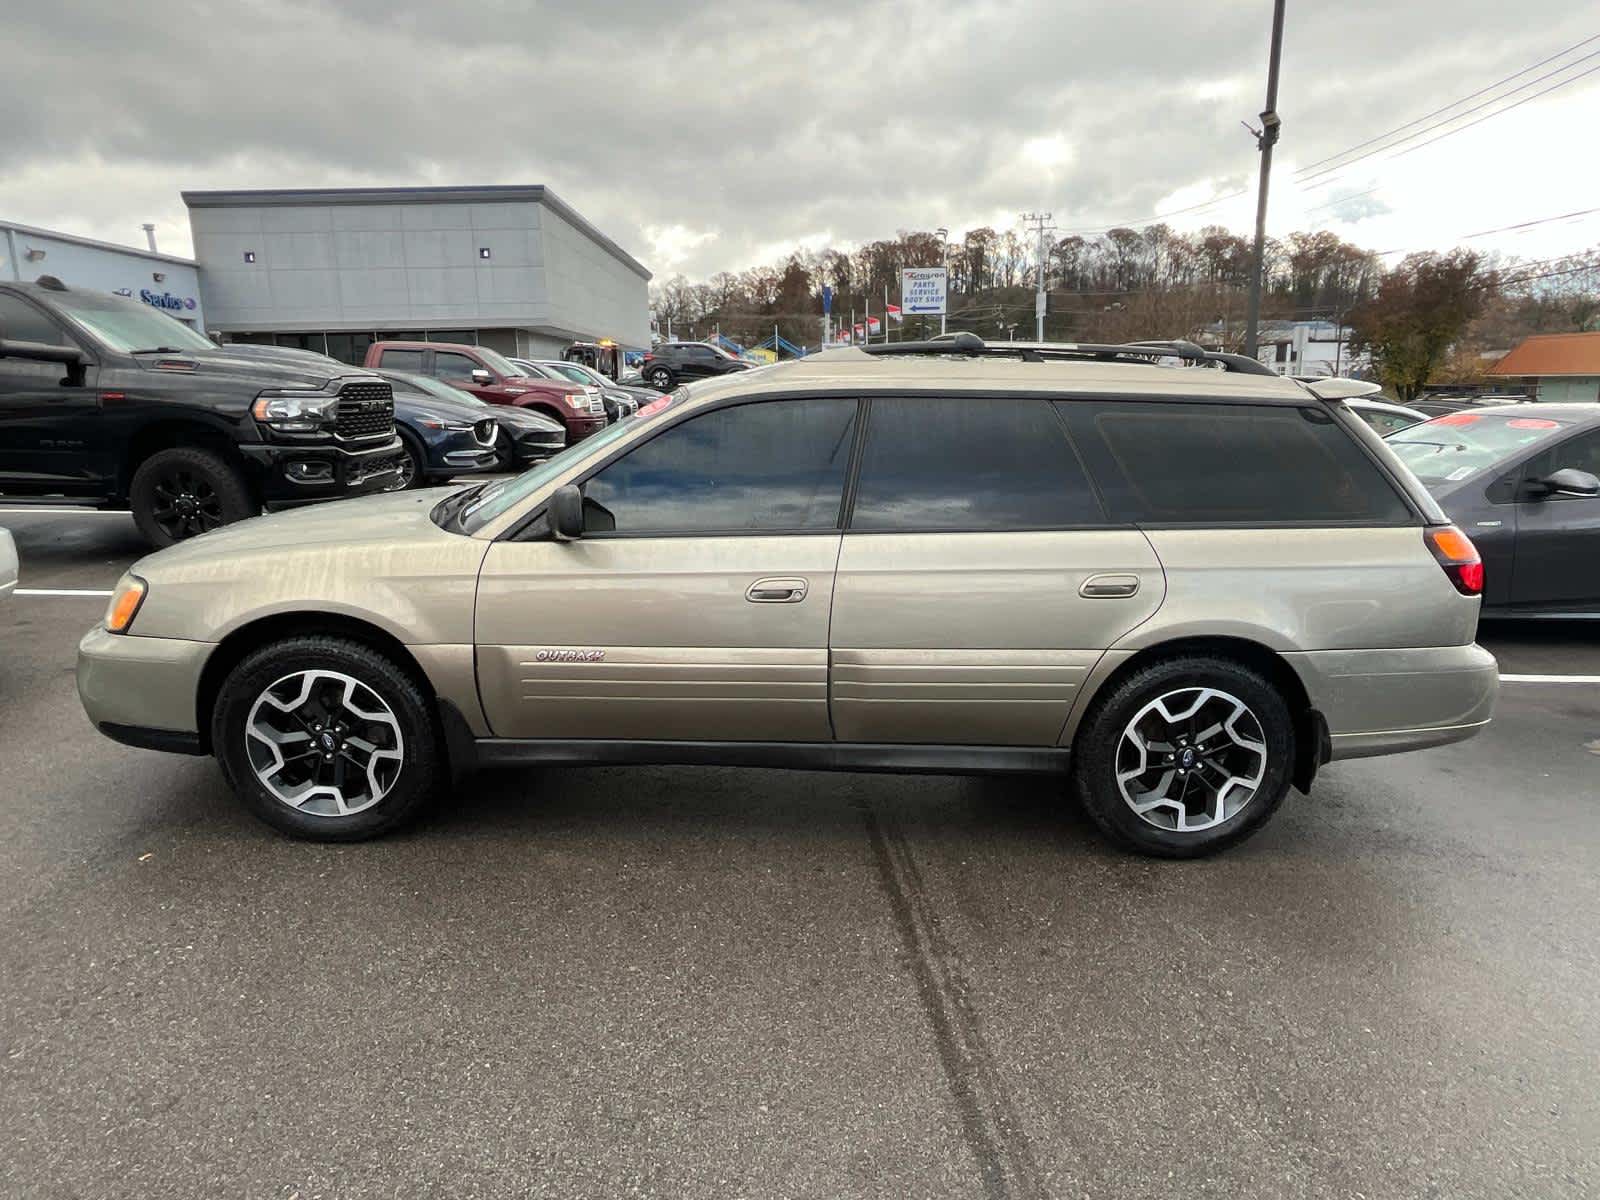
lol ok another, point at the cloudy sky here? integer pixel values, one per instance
(711, 136)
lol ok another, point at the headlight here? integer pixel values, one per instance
(289, 411)
(125, 602)
(451, 426)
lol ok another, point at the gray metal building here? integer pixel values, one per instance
(514, 268)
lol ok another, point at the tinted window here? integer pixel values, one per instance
(402, 360)
(1581, 453)
(950, 462)
(1226, 463)
(451, 366)
(22, 322)
(771, 466)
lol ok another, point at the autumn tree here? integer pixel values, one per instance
(1422, 307)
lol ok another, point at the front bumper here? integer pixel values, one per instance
(1388, 701)
(579, 428)
(304, 474)
(142, 690)
(524, 449)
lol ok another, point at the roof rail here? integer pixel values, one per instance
(971, 345)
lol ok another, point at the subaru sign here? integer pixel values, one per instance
(167, 300)
(922, 291)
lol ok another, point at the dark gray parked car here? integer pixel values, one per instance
(1523, 482)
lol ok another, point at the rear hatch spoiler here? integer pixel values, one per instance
(1333, 387)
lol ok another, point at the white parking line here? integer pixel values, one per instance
(58, 592)
(13, 510)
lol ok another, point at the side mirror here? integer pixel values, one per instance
(566, 513)
(481, 377)
(75, 360)
(1569, 481)
(43, 352)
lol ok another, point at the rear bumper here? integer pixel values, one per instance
(136, 688)
(1389, 701)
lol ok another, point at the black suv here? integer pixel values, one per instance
(672, 363)
(109, 400)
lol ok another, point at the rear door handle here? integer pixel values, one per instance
(776, 591)
(1109, 587)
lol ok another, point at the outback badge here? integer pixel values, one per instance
(569, 655)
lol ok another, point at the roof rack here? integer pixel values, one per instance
(973, 346)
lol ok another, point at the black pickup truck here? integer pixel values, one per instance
(108, 400)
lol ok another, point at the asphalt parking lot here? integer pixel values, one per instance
(707, 983)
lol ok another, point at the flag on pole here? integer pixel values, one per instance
(894, 312)
(874, 325)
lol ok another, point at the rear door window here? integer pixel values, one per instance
(401, 360)
(1230, 464)
(949, 463)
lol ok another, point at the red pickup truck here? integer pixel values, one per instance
(487, 375)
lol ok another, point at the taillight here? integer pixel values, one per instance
(1455, 552)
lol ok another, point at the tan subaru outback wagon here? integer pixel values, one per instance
(1164, 575)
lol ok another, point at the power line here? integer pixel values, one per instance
(1454, 103)
(1307, 178)
(1582, 212)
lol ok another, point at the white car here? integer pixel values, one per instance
(8, 564)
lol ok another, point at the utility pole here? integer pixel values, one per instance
(944, 261)
(1042, 221)
(1266, 139)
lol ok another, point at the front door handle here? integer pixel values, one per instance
(1109, 587)
(776, 591)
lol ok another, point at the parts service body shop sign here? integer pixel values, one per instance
(922, 291)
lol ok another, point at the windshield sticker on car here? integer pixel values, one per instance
(1459, 419)
(1459, 473)
(1532, 423)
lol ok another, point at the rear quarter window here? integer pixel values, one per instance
(1231, 464)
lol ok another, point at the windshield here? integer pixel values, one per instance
(499, 498)
(576, 373)
(444, 391)
(1458, 446)
(128, 327)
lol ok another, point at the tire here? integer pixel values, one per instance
(402, 727)
(660, 378)
(1182, 817)
(179, 493)
(413, 467)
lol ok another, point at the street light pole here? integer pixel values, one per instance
(1265, 140)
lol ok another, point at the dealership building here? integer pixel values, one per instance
(513, 268)
(169, 283)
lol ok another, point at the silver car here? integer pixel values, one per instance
(8, 564)
(1177, 589)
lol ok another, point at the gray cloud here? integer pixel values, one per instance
(744, 125)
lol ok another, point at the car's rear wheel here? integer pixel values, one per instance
(1185, 757)
(660, 378)
(328, 739)
(179, 493)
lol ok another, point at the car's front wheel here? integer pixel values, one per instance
(328, 739)
(183, 491)
(412, 465)
(660, 378)
(1185, 757)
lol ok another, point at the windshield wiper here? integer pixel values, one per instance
(159, 350)
(448, 508)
